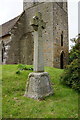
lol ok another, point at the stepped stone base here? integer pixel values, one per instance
(38, 85)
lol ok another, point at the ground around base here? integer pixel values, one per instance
(63, 104)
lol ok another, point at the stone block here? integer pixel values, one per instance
(38, 85)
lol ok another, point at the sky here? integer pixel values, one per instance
(12, 8)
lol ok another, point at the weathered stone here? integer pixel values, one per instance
(38, 24)
(38, 85)
(21, 39)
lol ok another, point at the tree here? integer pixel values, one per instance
(70, 76)
(74, 52)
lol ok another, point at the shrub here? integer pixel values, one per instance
(70, 76)
(22, 67)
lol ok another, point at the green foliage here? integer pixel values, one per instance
(18, 72)
(0, 92)
(15, 105)
(22, 67)
(70, 76)
(75, 51)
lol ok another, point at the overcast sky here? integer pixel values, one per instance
(12, 8)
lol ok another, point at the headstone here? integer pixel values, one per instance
(38, 82)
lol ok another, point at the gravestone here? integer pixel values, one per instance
(38, 85)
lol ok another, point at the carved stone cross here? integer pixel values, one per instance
(39, 84)
(38, 24)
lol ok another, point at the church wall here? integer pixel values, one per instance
(22, 41)
(6, 39)
(26, 49)
(21, 44)
(48, 32)
(16, 33)
(27, 5)
(60, 24)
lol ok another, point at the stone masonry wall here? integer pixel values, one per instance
(26, 49)
(60, 23)
(47, 14)
(16, 33)
(6, 39)
(21, 45)
(56, 19)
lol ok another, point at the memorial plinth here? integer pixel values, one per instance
(38, 85)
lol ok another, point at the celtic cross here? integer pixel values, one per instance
(38, 25)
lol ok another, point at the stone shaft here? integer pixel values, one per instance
(38, 52)
(38, 82)
(38, 25)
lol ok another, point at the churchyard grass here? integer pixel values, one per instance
(0, 91)
(63, 104)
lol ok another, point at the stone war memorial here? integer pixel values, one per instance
(33, 52)
(38, 82)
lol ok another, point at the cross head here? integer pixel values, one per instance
(37, 22)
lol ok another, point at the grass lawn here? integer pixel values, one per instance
(0, 91)
(63, 104)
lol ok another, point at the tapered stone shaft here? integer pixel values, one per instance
(38, 24)
(38, 53)
(38, 82)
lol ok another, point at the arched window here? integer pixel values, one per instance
(62, 38)
(62, 60)
(3, 50)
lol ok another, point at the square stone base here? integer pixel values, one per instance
(38, 85)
